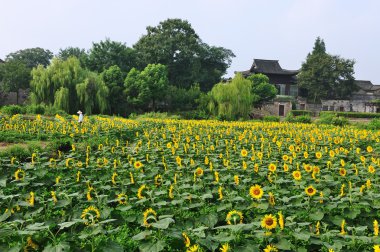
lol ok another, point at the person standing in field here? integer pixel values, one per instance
(80, 119)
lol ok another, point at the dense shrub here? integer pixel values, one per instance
(333, 119)
(35, 109)
(271, 119)
(302, 112)
(297, 119)
(18, 151)
(352, 114)
(194, 114)
(52, 111)
(13, 109)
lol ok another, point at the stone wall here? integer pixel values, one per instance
(11, 97)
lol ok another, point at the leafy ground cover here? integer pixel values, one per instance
(112, 184)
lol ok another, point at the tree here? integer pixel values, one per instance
(113, 78)
(77, 52)
(261, 89)
(31, 57)
(232, 100)
(66, 85)
(108, 53)
(325, 76)
(174, 43)
(14, 75)
(135, 95)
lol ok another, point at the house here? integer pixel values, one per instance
(284, 80)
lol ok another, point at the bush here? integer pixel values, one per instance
(35, 109)
(271, 118)
(332, 119)
(52, 111)
(373, 125)
(13, 109)
(297, 119)
(302, 112)
(63, 144)
(18, 151)
(352, 114)
(194, 114)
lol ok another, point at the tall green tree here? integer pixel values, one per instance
(77, 52)
(15, 75)
(136, 96)
(175, 44)
(261, 90)
(113, 78)
(31, 57)
(326, 76)
(105, 54)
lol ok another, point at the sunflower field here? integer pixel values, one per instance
(183, 185)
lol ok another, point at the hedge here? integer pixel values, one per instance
(352, 114)
(302, 112)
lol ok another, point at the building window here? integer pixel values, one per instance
(341, 109)
(294, 90)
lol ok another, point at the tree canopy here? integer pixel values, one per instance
(31, 57)
(326, 76)
(175, 43)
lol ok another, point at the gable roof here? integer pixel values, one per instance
(366, 85)
(270, 67)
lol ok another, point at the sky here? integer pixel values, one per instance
(283, 30)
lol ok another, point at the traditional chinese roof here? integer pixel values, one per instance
(268, 67)
(367, 86)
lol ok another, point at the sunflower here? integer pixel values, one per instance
(375, 228)
(260, 155)
(18, 173)
(305, 155)
(244, 153)
(216, 175)
(158, 180)
(90, 215)
(69, 162)
(331, 153)
(271, 199)
(376, 248)
(137, 164)
(342, 172)
(307, 167)
(297, 175)
(31, 199)
(371, 169)
(362, 158)
(291, 148)
(140, 191)
(286, 168)
(199, 172)
(369, 149)
(285, 157)
(269, 222)
(225, 247)
(220, 192)
(272, 167)
(236, 179)
(149, 215)
(318, 154)
(186, 239)
(310, 190)
(256, 192)
(193, 248)
(234, 216)
(270, 248)
(281, 220)
(171, 195)
(122, 198)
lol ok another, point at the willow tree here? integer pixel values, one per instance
(232, 100)
(93, 94)
(57, 85)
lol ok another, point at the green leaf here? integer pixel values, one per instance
(67, 224)
(223, 237)
(152, 246)
(3, 182)
(163, 223)
(283, 244)
(5, 216)
(141, 236)
(111, 246)
(224, 207)
(37, 226)
(317, 216)
(303, 236)
(263, 206)
(63, 246)
(210, 220)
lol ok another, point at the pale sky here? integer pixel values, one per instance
(272, 29)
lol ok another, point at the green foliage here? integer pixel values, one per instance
(332, 119)
(290, 117)
(352, 114)
(113, 78)
(261, 89)
(31, 57)
(232, 100)
(174, 43)
(181, 99)
(105, 54)
(374, 124)
(13, 109)
(35, 109)
(302, 112)
(68, 52)
(325, 76)
(271, 118)
(18, 151)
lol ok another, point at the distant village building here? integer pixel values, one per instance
(366, 99)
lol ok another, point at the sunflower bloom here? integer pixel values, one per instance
(137, 165)
(216, 175)
(198, 172)
(131, 177)
(236, 179)
(342, 190)
(342, 172)
(342, 231)
(193, 248)
(220, 192)
(78, 176)
(269, 222)
(297, 175)
(54, 196)
(158, 180)
(270, 248)
(186, 239)
(281, 220)
(318, 154)
(256, 192)
(376, 248)
(244, 153)
(369, 149)
(371, 169)
(272, 167)
(140, 191)
(31, 199)
(234, 216)
(30, 244)
(321, 197)
(225, 248)
(122, 198)
(375, 228)
(90, 215)
(317, 232)
(18, 173)
(271, 199)
(149, 214)
(310, 190)
(88, 194)
(171, 196)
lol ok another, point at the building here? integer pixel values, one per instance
(285, 80)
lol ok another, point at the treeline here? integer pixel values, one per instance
(167, 69)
